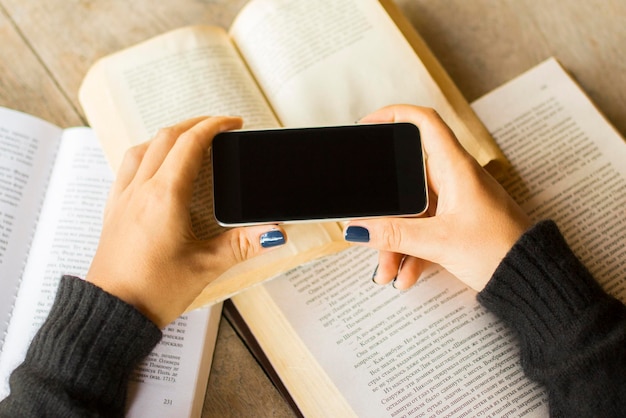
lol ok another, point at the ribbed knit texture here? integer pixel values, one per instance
(572, 335)
(80, 361)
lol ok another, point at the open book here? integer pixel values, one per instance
(283, 63)
(344, 346)
(53, 187)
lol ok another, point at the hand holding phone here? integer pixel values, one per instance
(318, 174)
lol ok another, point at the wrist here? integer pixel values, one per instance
(540, 287)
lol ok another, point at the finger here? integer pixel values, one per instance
(388, 266)
(161, 145)
(182, 164)
(128, 168)
(240, 244)
(125, 174)
(409, 273)
(423, 238)
(438, 140)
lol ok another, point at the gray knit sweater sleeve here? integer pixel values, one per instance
(572, 335)
(80, 361)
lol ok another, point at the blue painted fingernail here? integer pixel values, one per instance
(272, 238)
(357, 234)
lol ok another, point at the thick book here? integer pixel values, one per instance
(343, 346)
(283, 63)
(53, 187)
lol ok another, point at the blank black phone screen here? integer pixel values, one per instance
(318, 173)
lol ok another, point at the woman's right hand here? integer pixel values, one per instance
(473, 222)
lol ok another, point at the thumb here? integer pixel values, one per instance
(422, 238)
(240, 244)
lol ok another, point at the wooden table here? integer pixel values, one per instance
(47, 46)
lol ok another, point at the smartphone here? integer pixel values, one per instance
(318, 174)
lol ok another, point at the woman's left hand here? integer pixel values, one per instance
(148, 254)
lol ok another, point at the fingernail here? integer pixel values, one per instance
(374, 275)
(357, 234)
(272, 238)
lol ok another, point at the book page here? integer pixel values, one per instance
(188, 72)
(568, 166)
(65, 239)
(429, 350)
(28, 146)
(331, 63)
(172, 380)
(433, 350)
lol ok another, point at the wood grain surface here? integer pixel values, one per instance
(47, 46)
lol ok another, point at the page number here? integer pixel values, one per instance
(167, 402)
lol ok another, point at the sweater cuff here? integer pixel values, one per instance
(544, 293)
(93, 340)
